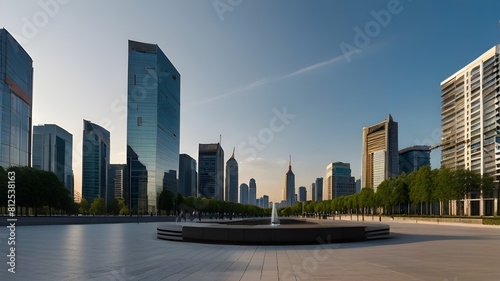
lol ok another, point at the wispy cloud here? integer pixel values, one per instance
(266, 81)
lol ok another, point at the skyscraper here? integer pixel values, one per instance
(339, 181)
(231, 190)
(380, 153)
(470, 138)
(153, 121)
(313, 192)
(319, 189)
(16, 96)
(211, 171)
(414, 157)
(187, 176)
(302, 194)
(53, 152)
(252, 192)
(289, 188)
(117, 183)
(95, 161)
(243, 193)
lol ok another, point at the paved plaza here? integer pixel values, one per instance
(132, 252)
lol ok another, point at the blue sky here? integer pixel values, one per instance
(241, 62)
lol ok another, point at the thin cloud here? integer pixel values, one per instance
(266, 81)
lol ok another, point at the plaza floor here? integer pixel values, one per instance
(132, 252)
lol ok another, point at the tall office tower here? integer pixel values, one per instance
(187, 176)
(211, 171)
(53, 152)
(319, 189)
(380, 153)
(243, 193)
(289, 188)
(265, 202)
(153, 121)
(16, 96)
(252, 192)
(231, 192)
(339, 181)
(358, 185)
(414, 157)
(302, 194)
(313, 192)
(95, 161)
(470, 138)
(117, 183)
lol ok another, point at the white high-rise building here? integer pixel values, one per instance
(469, 125)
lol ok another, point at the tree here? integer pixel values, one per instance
(166, 201)
(400, 192)
(384, 194)
(421, 187)
(113, 207)
(98, 207)
(84, 206)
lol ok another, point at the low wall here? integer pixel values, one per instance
(57, 220)
(409, 219)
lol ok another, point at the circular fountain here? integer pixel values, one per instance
(273, 231)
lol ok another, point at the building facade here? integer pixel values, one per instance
(53, 152)
(319, 189)
(117, 183)
(211, 171)
(339, 181)
(302, 194)
(470, 138)
(252, 192)
(188, 177)
(153, 123)
(95, 161)
(289, 188)
(243, 193)
(313, 192)
(231, 190)
(414, 157)
(380, 153)
(16, 102)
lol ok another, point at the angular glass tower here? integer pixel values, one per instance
(16, 95)
(231, 192)
(153, 122)
(95, 161)
(53, 152)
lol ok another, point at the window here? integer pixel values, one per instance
(139, 121)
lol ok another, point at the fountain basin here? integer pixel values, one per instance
(261, 232)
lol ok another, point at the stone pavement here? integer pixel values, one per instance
(132, 252)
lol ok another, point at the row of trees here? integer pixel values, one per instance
(36, 192)
(169, 204)
(417, 191)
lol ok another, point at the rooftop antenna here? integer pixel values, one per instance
(220, 139)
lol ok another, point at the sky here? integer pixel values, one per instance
(273, 78)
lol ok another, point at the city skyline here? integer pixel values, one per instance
(303, 73)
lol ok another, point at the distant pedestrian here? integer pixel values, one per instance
(183, 215)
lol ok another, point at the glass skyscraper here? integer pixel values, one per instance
(95, 161)
(252, 192)
(339, 181)
(289, 188)
(187, 176)
(53, 152)
(243, 193)
(231, 192)
(211, 171)
(153, 122)
(414, 157)
(16, 95)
